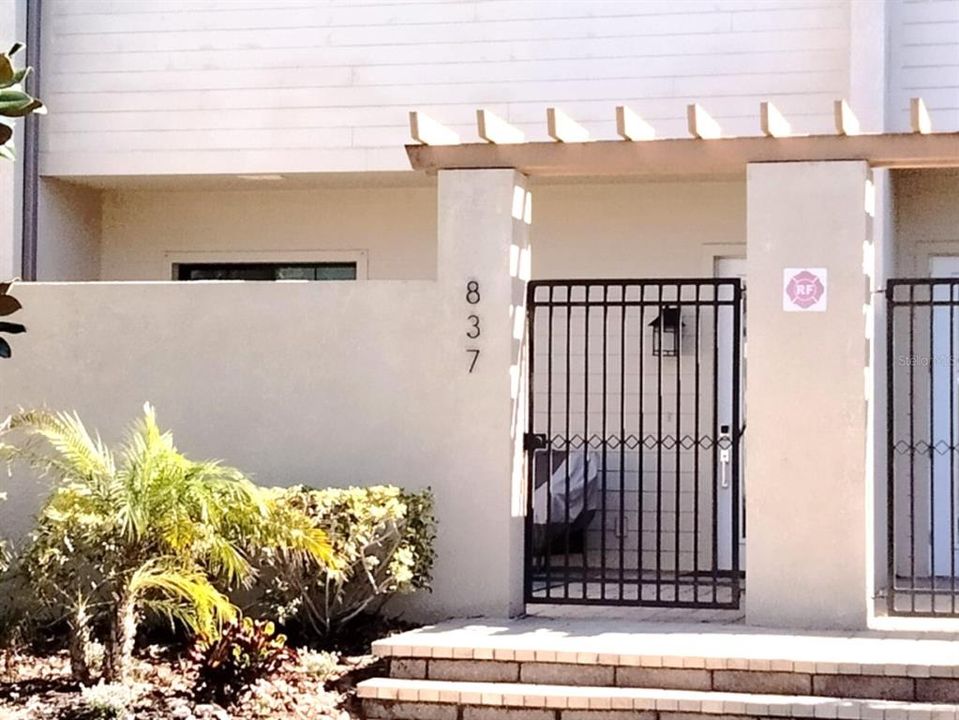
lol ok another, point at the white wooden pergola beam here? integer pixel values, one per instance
(494, 129)
(631, 126)
(846, 121)
(772, 122)
(562, 128)
(701, 125)
(919, 117)
(678, 157)
(428, 131)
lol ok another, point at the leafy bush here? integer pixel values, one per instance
(143, 529)
(242, 653)
(104, 702)
(382, 538)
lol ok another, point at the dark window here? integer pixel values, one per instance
(265, 271)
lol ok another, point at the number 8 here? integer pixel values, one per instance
(472, 292)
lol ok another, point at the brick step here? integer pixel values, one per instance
(679, 657)
(400, 699)
(797, 680)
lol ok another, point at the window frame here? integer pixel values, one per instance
(270, 257)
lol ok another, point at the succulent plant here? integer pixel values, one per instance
(14, 100)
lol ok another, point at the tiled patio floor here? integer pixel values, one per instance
(621, 637)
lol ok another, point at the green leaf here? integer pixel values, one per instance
(15, 48)
(6, 132)
(5, 350)
(7, 73)
(17, 97)
(12, 328)
(9, 305)
(6, 151)
(22, 110)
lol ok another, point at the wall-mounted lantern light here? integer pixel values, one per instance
(667, 331)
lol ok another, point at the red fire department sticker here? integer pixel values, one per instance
(804, 289)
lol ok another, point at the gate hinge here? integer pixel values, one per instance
(534, 441)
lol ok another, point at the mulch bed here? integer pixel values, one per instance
(39, 686)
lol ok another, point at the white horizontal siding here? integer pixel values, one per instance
(924, 61)
(138, 87)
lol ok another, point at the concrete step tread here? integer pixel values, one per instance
(726, 647)
(639, 699)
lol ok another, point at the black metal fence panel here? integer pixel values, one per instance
(922, 444)
(634, 443)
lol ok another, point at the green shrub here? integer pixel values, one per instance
(382, 537)
(243, 652)
(142, 529)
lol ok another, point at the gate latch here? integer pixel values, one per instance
(535, 441)
(724, 454)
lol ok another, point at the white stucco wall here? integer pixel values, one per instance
(581, 230)
(144, 231)
(201, 86)
(70, 231)
(807, 503)
(926, 218)
(326, 384)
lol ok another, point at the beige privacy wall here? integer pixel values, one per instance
(320, 383)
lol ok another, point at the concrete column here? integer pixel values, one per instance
(806, 487)
(483, 265)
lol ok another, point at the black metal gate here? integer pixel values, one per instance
(634, 443)
(922, 359)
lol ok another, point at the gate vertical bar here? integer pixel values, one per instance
(890, 449)
(549, 453)
(602, 535)
(952, 449)
(659, 459)
(678, 480)
(736, 433)
(622, 443)
(912, 453)
(698, 449)
(641, 445)
(586, 441)
(529, 446)
(932, 452)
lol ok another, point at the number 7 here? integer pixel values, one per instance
(476, 354)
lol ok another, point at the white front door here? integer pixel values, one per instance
(731, 267)
(945, 423)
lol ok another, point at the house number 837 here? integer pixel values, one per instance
(473, 298)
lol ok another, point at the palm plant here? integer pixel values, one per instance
(143, 529)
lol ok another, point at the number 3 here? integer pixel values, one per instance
(474, 331)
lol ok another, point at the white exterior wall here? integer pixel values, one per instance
(144, 232)
(926, 219)
(68, 248)
(206, 86)
(325, 384)
(923, 61)
(582, 230)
